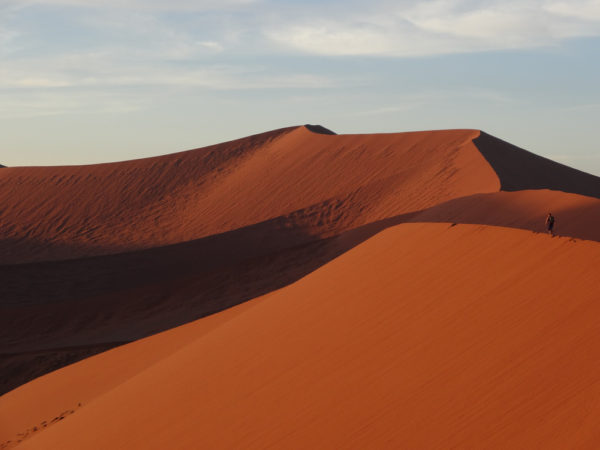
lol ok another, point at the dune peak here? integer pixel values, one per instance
(319, 129)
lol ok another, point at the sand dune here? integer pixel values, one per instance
(325, 183)
(98, 256)
(577, 214)
(425, 336)
(331, 182)
(170, 239)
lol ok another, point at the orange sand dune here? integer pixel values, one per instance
(101, 255)
(322, 183)
(424, 336)
(149, 244)
(576, 215)
(328, 182)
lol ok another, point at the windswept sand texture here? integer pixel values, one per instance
(100, 255)
(322, 182)
(425, 336)
(381, 316)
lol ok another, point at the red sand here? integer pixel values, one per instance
(577, 215)
(238, 219)
(327, 183)
(425, 336)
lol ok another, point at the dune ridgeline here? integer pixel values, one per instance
(302, 289)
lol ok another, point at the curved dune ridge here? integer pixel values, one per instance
(98, 256)
(321, 182)
(425, 336)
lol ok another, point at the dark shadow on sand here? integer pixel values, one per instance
(519, 169)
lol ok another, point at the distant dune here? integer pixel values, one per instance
(372, 311)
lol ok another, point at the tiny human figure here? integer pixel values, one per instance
(550, 224)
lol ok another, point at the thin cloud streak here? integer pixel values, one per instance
(47, 103)
(68, 74)
(585, 10)
(441, 27)
(381, 28)
(156, 5)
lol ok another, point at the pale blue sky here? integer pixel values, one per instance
(85, 81)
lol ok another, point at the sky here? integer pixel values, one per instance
(87, 81)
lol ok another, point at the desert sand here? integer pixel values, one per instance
(393, 290)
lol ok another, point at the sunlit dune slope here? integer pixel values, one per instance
(424, 336)
(328, 182)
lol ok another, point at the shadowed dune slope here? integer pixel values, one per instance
(519, 169)
(51, 213)
(424, 336)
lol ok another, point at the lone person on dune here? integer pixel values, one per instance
(550, 224)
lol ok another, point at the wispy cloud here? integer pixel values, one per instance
(585, 10)
(336, 27)
(106, 69)
(146, 29)
(215, 44)
(51, 103)
(103, 83)
(172, 5)
(422, 28)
